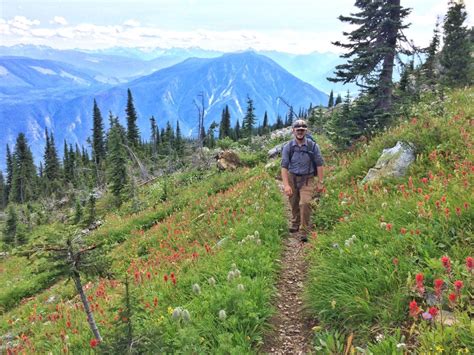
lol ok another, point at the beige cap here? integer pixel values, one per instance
(300, 123)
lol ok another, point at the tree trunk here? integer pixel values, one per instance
(385, 83)
(90, 317)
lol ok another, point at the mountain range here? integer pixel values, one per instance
(59, 96)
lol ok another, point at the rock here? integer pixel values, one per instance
(281, 133)
(227, 160)
(3, 254)
(51, 299)
(276, 151)
(393, 162)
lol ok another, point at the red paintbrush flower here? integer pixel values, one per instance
(414, 309)
(94, 342)
(469, 263)
(446, 263)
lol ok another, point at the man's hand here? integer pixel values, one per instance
(288, 190)
(319, 186)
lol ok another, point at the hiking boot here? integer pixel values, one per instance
(294, 229)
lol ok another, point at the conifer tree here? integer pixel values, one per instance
(341, 128)
(10, 229)
(52, 172)
(133, 134)
(24, 172)
(249, 119)
(430, 74)
(237, 132)
(331, 99)
(155, 136)
(116, 162)
(178, 143)
(372, 48)
(265, 123)
(279, 123)
(8, 182)
(338, 100)
(3, 199)
(456, 57)
(98, 136)
(224, 127)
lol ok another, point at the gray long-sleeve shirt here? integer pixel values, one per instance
(300, 163)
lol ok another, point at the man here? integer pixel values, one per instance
(302, 174)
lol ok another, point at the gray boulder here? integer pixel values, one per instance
(393, 162)
(275, 151)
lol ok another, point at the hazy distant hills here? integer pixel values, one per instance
(119, 64)
(64, 104)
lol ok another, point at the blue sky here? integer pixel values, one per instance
(296, 26)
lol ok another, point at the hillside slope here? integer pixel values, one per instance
(392, 265)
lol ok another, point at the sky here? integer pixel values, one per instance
(293, 26)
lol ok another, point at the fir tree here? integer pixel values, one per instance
(331, 99)
(52, 169)
(341, 128)
(224, 127)
(279, 123)
(116, 162)
(98, 136)
(265, 123)
(372, 48)
(8, 183)
(249, 120)
(78, 212)
(456, 56)
(24, 172)
(3, 197)
(178, 142)
(338, 100)
(237, 132)
(429, 66)
(133, 134)
(10, 229)
(155, 136)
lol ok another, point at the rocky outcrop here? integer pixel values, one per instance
(393, 162)
(227, 160)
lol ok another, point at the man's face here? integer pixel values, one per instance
(300, 131)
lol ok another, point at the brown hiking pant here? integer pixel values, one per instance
(300, 201)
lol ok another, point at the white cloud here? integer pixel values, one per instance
(131, 23)
(59, 20)
(22, 23)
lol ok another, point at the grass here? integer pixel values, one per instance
(374, 239)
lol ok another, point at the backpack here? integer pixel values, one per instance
(310, 145)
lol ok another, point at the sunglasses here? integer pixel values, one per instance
(301, 127)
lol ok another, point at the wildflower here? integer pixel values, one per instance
(466, 205)
(414, 309)
(383, 225)
(186, 315)
(68, 324)
(443, 198)
(426, 316)
(438, 204)
(148, 275)
(424, 180)
(170, 310)
(401, 346)
(438, 285)
(94, 342)
(222, 314)
(469, 263)
(165, 278)
(419, 283)
(395, 261)
(446, 263)
(176, 313)
(196, 289)
(452, 297)
(230, 276)
(155, 301)
(458, 211)
(403, 231)
(433, 311)
(241, 287)
(458, 284)
(212, 281)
